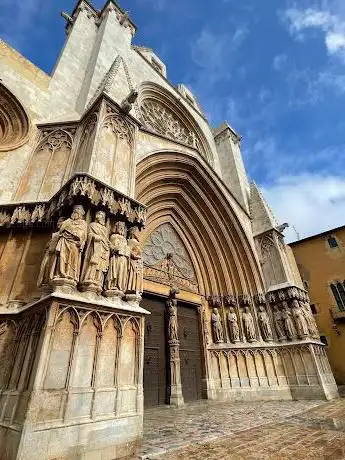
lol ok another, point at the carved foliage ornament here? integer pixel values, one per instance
(82, 185)
(162, 120)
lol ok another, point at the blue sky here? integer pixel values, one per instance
(274, 70)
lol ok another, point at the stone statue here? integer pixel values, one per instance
(288, 323)
(46, 275)
(264, 323)
(167, 265)
(312, 327)
(70, 245)
(172, 319)
(279, 323)
(136, 268)
(217, 328)
(233, 325)
(301, 323)
(96, 259)
(116, 281)
(248, 325)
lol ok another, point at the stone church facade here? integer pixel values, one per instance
(138, 265)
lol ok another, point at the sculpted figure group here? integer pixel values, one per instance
(78, 254)
(290, 323)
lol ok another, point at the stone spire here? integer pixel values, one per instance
(261, 214)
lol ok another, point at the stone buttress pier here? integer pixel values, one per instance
(72, 360)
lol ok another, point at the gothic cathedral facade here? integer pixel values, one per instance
(139, 266)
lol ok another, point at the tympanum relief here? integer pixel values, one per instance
(167, 261)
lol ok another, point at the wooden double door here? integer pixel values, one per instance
(156, 364)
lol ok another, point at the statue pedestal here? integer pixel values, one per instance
(64, 285)
(72, 387)
(175, 386)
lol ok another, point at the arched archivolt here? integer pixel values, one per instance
(178, 189)
(162, 113)
(14, 122)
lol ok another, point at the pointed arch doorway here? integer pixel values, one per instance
(157, 378)
(182, 190)
(167, 263)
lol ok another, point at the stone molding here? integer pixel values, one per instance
(14, 121)
(162, 113)
(80, 186)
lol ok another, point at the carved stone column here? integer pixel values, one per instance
(175, 394)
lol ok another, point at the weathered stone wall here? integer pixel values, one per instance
(294, 372)
(21, 253)
(71, 373)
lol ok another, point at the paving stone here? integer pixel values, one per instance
(302, 430)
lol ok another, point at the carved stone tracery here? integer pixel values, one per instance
(158, 117)
(118, 124)
(167, 261)
(57, 140)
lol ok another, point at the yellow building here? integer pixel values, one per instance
(321, 261)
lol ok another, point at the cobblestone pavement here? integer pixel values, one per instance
(257, 430)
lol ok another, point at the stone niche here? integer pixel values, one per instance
(72, 359)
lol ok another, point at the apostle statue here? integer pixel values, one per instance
(301, 323)
(248, 325)
(96, 259)
(287, 320)
(172, 319)
(217, 327)
(116, 281)
(46, 275)
(71, 240)
(279, 323)
(136, 267)
(312, 327)
(264, 323)
(233, 325)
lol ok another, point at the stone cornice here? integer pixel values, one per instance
(80, 188)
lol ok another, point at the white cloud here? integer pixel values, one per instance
(335, 42)
(303, 19)
(209, 49)
(311, 203)
(331, 25)
(279, 61)
(240, 35)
